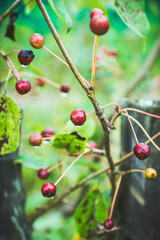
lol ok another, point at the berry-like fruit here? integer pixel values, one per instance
(23, 86)
(37, 41)
(42, 173)
(92, 144)
(78, 117)
(150, 173)
(142, 151)
(48, 190)
(40, 82)
(99, 24)
(64, 88)
(96, 11)
(35, 139)
(25, 57)
(108, 224)
(48, 132)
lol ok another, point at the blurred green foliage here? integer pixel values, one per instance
(44, 106)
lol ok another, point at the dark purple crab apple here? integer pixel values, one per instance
(96, 11)
(64, 87)
(48, 189)
(108, 224)
(23, 86)
(78, 117)
(25, 57)
(42, 173)
(35, 139)
(99, 24)
(142, 151)
(37, 41)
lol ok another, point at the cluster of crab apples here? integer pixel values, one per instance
(99, 25)
(25, 57)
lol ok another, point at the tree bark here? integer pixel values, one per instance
(139, 198)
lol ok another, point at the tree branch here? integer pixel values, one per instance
(9, 10)
(141, 74)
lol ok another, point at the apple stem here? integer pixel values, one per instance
(13, 69)
(55, 56)
(137, 110)
(94, 56)
(132, 127)
(109, 104)
(68, 168)
(12, 51)
(7, 78)
(133, 170)
(138, 123)
(115, 196)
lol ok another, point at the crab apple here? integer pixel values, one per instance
(99, 24)
(96, 11)
(43, 173)
(23, 86)
(25, 57)
(48, 132)
(40, 82)
(35, 139)
(48, 190)
(150, 173)
(92, 144)
(64, 88)
(142, 151)
(37, 41)
(78, 117)
(108, 224)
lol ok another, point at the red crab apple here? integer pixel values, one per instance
(48, 132)
(78, 117)
(64, 87)
(37, 40)
(142, 151)
(108, 224)
(23, 86)
(40, 82)
(25, 57)
(48, 190)
(43, 173)
(99, 24)
(96, 11)
(92, 144)
(35, 139)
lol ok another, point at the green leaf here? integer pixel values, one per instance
(30, 6)
(73, 142)
(10, 117)
(87, 130)
(91, 211)
(61, 11)
(32, 161)
(132, 13)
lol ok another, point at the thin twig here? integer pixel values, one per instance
(9, 10)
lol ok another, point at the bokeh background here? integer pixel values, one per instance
(45, 106)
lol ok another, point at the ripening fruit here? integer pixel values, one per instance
(37, 41)
(35, 139)
(40, 82)
(92, 144)
(64, 88)
(78, 117)
(96, 11)
(23, 86)
(43, 173)
(99, 24)
(108, 224)
(150, 173)
(25, 57)
(48, 190)
(142, 151)
(48, 132)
